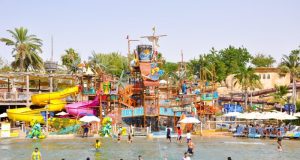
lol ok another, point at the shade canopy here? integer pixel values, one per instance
(266, 115)
(252, 115)
(89, 119)
(3, 115)
(189, 120)
(62, 113)
(231, 114)
(163, 82)
(297, 114)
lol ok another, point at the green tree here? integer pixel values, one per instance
(234, 58)
(25, 50)
(2, 63)
(122, 80)
(178, 78)
(254, 82)
(208, 66)
(246, 78)
(169, 67)
(71, 59)
(111, 63)
(4, 67)
(291, 64)
(280, 94)
(261, 60)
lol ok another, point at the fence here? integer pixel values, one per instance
(14, 96)
(208, 125)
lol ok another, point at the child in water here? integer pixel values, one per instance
(97, 144)
(129, 138)
(119, 137)
(36, 154)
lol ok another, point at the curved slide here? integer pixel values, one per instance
(255, 93)
(83, 108)
(53, 101)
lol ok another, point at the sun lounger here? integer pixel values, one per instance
(296, 135)
(272, 135)
(261, 132)
(252, 133)
(239, 132)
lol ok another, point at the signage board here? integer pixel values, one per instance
(5, 129)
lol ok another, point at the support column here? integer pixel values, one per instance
(39, 85)
(100, 96)
(144, 109)
(8, 85)
(51, 83)
(27, 90)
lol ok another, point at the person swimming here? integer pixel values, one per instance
(97, 144)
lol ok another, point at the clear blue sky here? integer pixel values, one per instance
(263, 26)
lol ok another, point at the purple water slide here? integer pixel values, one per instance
(83, 108)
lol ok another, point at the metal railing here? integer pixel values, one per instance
(15, 96)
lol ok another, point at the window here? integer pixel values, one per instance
(264, 76)
(269, 76)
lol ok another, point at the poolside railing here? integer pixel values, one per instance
(14, 96)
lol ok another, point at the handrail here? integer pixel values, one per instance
(15, 96)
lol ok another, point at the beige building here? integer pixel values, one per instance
(269, 77)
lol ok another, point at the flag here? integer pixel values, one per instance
(153, 29)
(127, 37)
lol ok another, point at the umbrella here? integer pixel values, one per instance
(262, 116)
(163, 82)
(189, 120)
(231, 114)
(297, 114)
(251, 115)
(284, 116)
(89, 119)
(62, 113)
(3, 115)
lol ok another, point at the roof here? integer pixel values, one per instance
(267, 70)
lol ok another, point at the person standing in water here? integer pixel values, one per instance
(279, 139)
(140, 157)
(169, 133)
(36, 154)
(119, 137)
(191, 147)
(97, 144)
(179, 133)
(188, 136)
(186, 156)
(129, 138)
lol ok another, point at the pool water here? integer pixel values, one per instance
(156, 149)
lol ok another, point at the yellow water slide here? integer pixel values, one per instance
(53, 102)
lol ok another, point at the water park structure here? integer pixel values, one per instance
(150, 98)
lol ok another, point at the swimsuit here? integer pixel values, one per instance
(36, 155)
(97, 145)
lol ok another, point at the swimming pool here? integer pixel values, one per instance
(156, 149)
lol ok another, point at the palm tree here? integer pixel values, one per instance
(254, 82)
(71, 59)
(26, 49)
(122, 81)
(96, 63)
(247, 78)
(291, 64)
(178, 77)
(279, 95)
